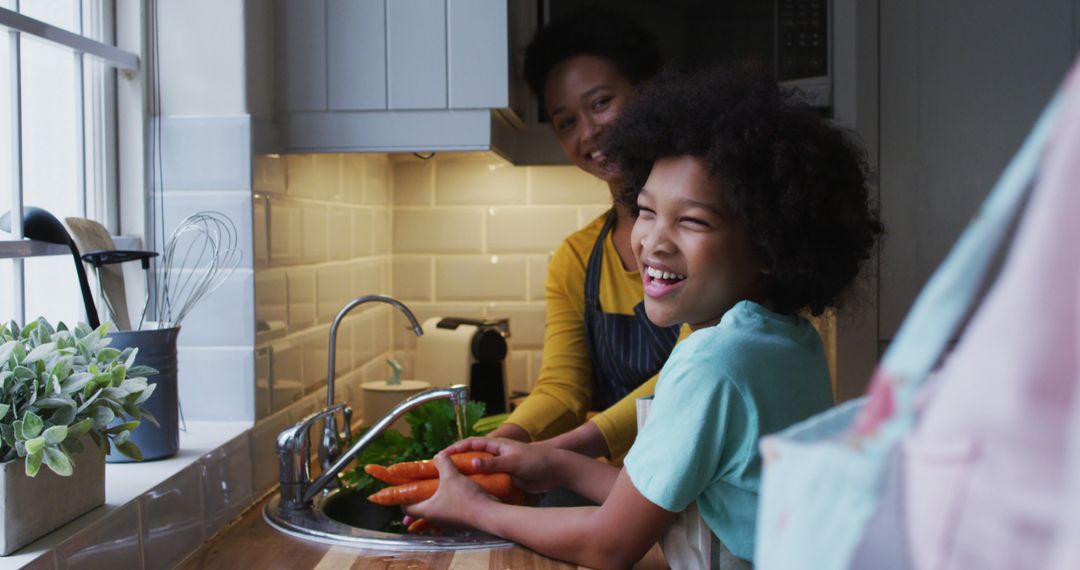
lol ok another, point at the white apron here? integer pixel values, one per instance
(689, 544)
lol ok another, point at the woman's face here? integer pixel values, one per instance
(696, 260)
(582, 96)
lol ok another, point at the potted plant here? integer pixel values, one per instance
(66, 398)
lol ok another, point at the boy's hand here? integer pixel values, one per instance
(456, 497)
(533, 468)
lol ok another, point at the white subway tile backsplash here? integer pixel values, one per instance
(260, 229)
(411, 278)
(300, 176)
(113, 542)
(217, 384)
(587, 214)
(362, 330)
(286, 231)
(333, 290)
(225, 317)
(538, 265)
(479, 184)
(316, 232)
(367, 277)
(377, 180)
(480, 278)
(385, 322)
(286, 385)
(414, 183)
(271, 304)
(380, 228)
(172, 517)
(235, 205)
(226, 484)
(327, 177)
(528, 229)
(352, 178)
(268, 174)
(526, 322)
(438, 230)
(564, 185)
(301, 296)
(264, 462)
(340, 221)
(207, 153)
(263, 359)
(316, 351)
(362, 232)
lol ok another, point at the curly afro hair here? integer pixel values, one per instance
(592, 31)
(798, 184)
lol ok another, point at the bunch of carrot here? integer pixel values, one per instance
(416, 481)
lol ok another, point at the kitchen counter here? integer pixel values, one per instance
(251, 543)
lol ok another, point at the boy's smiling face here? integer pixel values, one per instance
(695, 258)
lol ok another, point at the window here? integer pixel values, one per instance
(57, 138)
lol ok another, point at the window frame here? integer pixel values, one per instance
(96, 110)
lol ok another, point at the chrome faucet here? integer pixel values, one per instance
(297, 490)
(330, 446)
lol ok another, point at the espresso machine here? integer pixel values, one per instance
(455, 350)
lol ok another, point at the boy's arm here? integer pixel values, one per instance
(614, 535)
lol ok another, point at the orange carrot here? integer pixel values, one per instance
(383, 474)
(414, 470)
(419, 525)
(497, 484)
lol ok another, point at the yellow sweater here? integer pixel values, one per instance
(563, 391)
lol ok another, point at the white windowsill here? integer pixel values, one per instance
(125, 482)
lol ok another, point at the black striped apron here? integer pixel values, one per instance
(625, 350)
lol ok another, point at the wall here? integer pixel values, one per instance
(206, 164)
(322, 237)
(459, 235)
(961, 85)
(472, 236)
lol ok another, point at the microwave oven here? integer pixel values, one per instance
(792, 37)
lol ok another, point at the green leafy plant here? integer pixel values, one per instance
(57, 385)
(433, 425)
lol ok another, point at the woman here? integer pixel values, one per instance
(599, 346)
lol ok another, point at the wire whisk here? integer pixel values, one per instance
(201, 253)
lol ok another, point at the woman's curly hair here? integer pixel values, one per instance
(592, 31)
(797, 183)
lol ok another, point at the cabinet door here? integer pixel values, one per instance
(416, 54)
(477, 53)
(356, 54)
(302, 58)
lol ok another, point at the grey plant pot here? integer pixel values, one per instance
(33, 507)
(157, 349)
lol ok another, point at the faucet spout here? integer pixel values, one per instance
(330, 446)
(458, 395)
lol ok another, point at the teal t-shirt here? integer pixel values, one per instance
(753, 374)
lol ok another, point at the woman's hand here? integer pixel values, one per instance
(456, 498)
(533, 468)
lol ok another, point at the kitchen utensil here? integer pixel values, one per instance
(201, 253)
(43, 226)
(89, 236)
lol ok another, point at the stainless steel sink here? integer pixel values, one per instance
(348, 518)
(321, 510)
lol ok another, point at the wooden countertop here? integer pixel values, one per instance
(251, 543)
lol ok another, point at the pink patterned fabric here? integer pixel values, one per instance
(992, 472)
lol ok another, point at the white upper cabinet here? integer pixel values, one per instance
(400, 75)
